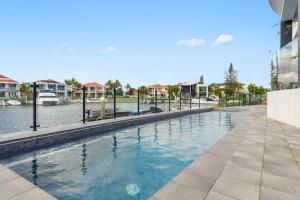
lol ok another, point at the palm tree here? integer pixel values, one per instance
(173, 90)
(143, 91)
(251, 88)
(25, 90)
(73, 84)
(127, 88)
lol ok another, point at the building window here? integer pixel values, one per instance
(2, 85)
(60, 87)
(2, 94)
(12, 86)
(53, 87)
(92, 89)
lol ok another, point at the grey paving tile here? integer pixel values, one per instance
(243, 174)
(279, 152)
(2, 167)
(209, 164)
(14, 188)
(246, 163)
(223, 149)
(281, 184)
(34, 194)
(7, 175)
(174, 191)
(236, 188)
(244, 153)
(296, 153)
(272, 194)
(195, 181)
(217, 196)
(294, 146)
(284, 162)
(288, 171)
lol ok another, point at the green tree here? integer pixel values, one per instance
(231, 80)
(143, 91)
(260, 90)
(251, 88)
(25, 90)
(110, 85)
(201, 79)
(217, 91)
(73, 84)
(274, 76)
(239, 87)
(128, 89)
(173, 90)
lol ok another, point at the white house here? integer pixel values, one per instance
(54, 86)
(193, 89)
(9, 88)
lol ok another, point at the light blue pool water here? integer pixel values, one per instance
(132, 163)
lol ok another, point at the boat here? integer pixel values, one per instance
(47, 98)
(13, 103)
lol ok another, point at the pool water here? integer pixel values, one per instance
(132, 163)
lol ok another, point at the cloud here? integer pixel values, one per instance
(70, 49)
(191, 42)
(65, 44)
(55, 51)
(107, 50)
(222, 39)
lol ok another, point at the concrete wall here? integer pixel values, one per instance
(284, 106)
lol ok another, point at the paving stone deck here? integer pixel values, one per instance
(258, 159)
(14, 187)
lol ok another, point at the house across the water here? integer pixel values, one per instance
(194, 90)
(9, 88)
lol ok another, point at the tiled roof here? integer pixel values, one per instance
(47, 81)
(93, 84)
(5, 79)
(157, 86)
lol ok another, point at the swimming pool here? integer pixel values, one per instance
(127, 164)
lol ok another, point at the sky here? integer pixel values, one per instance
(140, 42)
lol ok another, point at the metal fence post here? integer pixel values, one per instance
(138, 103)
(180, 101)
(199, 101)
(250, 100)
(219, 101)
(34, 125)
(233, 100)
(169, 101)
(83, 103)
(190, 101)
(115, 112)
(156, 101)
(226, 100)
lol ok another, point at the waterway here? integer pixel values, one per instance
(19, 118)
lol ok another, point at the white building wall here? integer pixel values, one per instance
(284, 106)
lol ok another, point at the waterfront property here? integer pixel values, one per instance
(161, 90)
(286, 59)
(193, 90)
(9, 89)
(94, 91)
(283, 104)
(52, 86)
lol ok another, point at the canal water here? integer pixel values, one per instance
(19, 118)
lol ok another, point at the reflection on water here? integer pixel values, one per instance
(103, 167)
(34, 170)
(83, 164)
